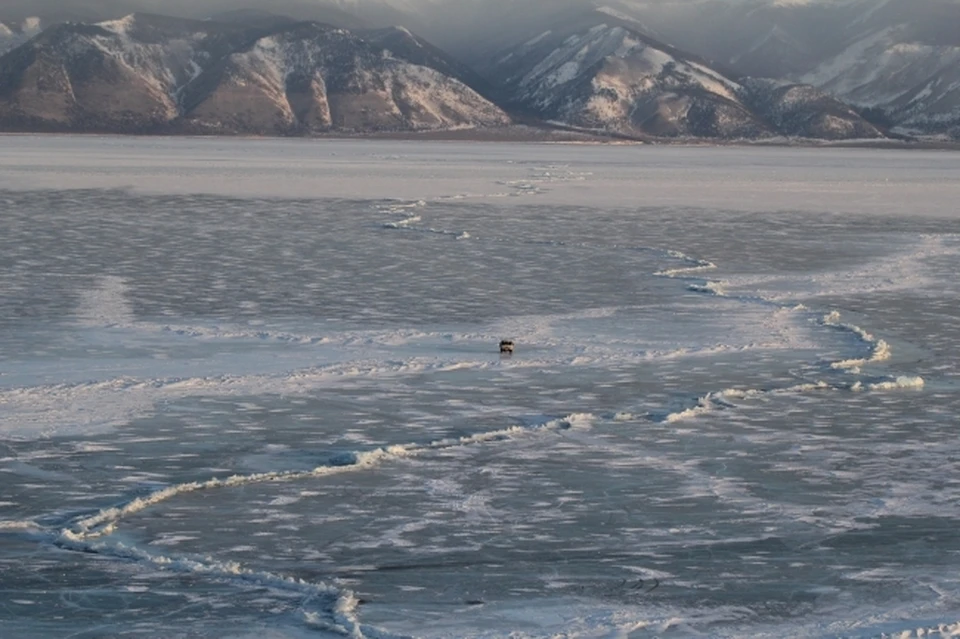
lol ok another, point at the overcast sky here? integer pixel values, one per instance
(714, 28)
(197, 7)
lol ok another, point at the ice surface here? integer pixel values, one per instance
(770, 180)
(254, 387)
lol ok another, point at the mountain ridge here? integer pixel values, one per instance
(896, 58)
(605, 74)
(149, 74)
(613, 69)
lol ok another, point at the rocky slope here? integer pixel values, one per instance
(897, 57)
(610, 78)
(315, 78)
(758, 38)
(148, 73)
(124, 75)
(607, 70)
(906, 67)
(801, 110)
(603, 73)
(412, 48)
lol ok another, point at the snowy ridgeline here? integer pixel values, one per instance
(601, 73)
(208, 77)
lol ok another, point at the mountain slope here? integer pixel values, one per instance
(913, 77)
(802, 110)
(933, 106)
(609, 77)
(774, 53)
(123, 75)
(607, 70)
(147, 73)
(407, 46)
(312, 78)
(605, 74)
(896, 56)
(760, 38)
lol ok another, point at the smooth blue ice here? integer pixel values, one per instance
(252, 388)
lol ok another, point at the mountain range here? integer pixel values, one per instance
(636, 69)
(894, 59)
(149, 74)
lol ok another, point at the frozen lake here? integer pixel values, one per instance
(251, 388)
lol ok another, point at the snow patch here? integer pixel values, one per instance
(31, 26)
(720, 400)
(536, 40)
(121, 26)
(880, 349)
(14, 525)
(693, 265)
(903, 382)
(566, 73)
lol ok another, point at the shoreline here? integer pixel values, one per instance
(527, 134)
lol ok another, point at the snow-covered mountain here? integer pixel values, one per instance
(765, 38)
(898, 57)
(604, 74)
(121, 75)
(773, 53)
(611, 78)
(402, 43)
(145, 73)
(906, 67)
(638, 68)
(314, 77)
(802, 110)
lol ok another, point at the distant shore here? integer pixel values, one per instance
(522, 133)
